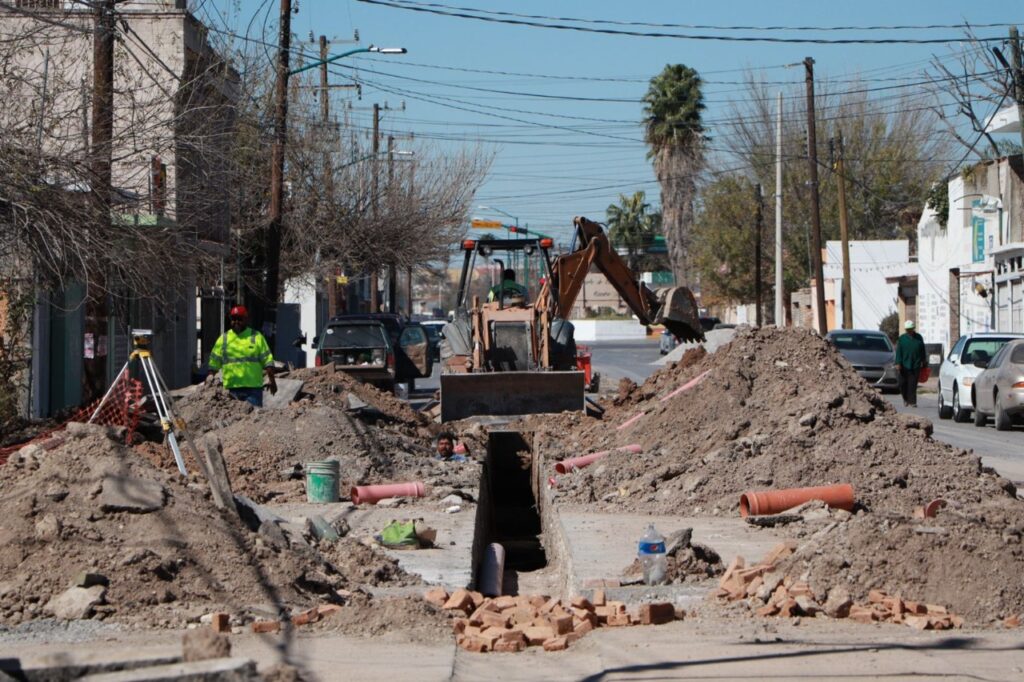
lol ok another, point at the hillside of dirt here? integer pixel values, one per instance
(775, 409)
(163, 552)
(779, 408)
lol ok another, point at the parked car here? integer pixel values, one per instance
(958, 371)
(380, 349)
(871, 354)
(433, 329)
(998, 392)
(667, 342)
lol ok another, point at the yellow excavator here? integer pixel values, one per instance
(505, 355)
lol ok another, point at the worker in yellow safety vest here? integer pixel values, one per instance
(242, 354)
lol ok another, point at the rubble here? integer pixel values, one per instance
(510, 624)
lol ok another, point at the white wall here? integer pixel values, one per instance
(608, 330)
(870, 263)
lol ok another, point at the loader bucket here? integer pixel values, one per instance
(510, 393)
(679, 314)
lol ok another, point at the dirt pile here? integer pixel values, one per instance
(774, 409)
(685, 561)
(403, 618)
(326, 386)
(142, 545)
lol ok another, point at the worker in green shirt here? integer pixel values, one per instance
(242, 355)
(910, 359)
(509, 288)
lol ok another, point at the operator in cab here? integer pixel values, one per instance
(508, 289)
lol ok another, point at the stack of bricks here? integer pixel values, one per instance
(510, 624)
(307, 617)
(773, 594)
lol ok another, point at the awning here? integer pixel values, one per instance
(1006, 120)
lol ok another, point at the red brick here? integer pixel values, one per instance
(536, 636)
(583, 628)
(861, 614)
(736, 564)
(1011, 621)
(754, 585)
(459, 625)
(549, 605)
(599, 598)
(326, 610)
(474, 644)
(436, 596)
(619, 620)
(780, 551)
(915, 607)
(509, 647)
(477, 598)
(876, 596)
(581, 603)
(936, 609)
(918, 622)
(656, 614)
(513, 635)
(561, 624)
(538, 600)
(602, 613)
(788, 608)
(490, 618)
(266, 626)
(306, 617)
(523, 615)
(221, 622)
(459, 600)
(956, 621)
(505, 602)
(556, 644)
(767, 610)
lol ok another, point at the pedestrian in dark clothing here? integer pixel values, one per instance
(910, 359)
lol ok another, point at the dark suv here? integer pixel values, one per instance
(380, 349)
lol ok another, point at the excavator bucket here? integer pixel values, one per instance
(510, 393)
(679, 314)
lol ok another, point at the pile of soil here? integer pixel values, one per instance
(325, 385)
(685, 561)
(778, 408)
(164, 567)
(969, 560)
(207, 408)
(365, 565)
(401, 618)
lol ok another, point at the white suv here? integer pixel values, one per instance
(958, 372)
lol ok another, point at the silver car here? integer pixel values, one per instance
(999, 390)
(871, 354)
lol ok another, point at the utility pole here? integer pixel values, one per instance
(272, 243)
(1018, 78)
(325, 119)
(758, 228)
(94, 367)
(812, 160)
(392, 270)
(374, 299)
(780, 311)
(844, 234)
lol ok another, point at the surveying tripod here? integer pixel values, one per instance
(173, 426)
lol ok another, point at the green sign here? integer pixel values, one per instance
(978, 239)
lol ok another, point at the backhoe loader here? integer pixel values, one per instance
(510, 356)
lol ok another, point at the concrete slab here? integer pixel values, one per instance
(131, 494)
(600, 546)
(287, 389)
(448, 564)
(215, 669)
(56, 665)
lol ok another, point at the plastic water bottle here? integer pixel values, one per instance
(651, 553)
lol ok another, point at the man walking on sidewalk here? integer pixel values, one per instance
(243, 355)
(910, 359)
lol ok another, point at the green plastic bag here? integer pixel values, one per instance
(399, 534)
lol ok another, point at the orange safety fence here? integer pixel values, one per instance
(121, 406)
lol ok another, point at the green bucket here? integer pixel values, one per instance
(322, 481)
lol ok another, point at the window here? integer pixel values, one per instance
(998, 359)
(354, 336)
(978, 349)
(412, 336)
(955, 353)
(869, 342)
(1017, 357)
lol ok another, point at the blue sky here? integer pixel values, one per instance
(565, 131)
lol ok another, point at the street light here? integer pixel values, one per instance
(371, 48)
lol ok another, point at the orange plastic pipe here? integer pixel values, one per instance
(567, 465)
(371, 494)
(687, 386)
(839, 496)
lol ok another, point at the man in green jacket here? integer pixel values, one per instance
(910, 359)
(242, 355)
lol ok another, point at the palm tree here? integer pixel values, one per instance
(675, 135)
(630, 226)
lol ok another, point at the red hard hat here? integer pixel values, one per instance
(239, 311)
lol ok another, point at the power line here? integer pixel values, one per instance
(677, 36)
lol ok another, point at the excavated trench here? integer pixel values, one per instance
(509, 510)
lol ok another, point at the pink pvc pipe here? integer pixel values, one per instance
(371, 494)
(629, 422)
(687, 386)
(567, 465)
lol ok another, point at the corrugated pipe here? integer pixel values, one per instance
(371, 494)
(567, 465)
(839, 496)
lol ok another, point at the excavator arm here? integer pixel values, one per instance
(675, 308)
